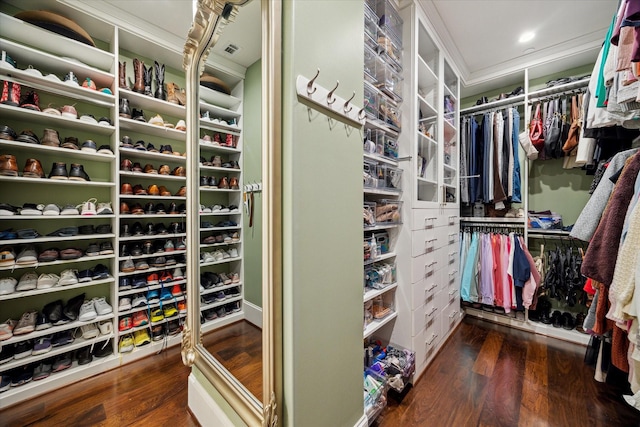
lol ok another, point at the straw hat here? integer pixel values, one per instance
(214, 83)
(58, 24)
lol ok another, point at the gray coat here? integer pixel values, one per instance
(589, 219)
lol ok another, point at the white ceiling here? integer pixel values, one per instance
(175, 16)
(482, 36)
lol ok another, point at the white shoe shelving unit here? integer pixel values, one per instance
(53, 54)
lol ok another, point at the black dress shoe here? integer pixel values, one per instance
(151, 148)
(149, 208)
(59, 171)
(125, 110)
(77, 173)
(556, 319)
(125, 230)
(204, 181)
(87, 229)
(161, 229)
(160, 209)
(83, 355)
(166, 149)
(7, 133)
(124, 251)
(138, 115)
(137, 230)
(28, 137)
(136, 250)
(140, 146)
(147, 248)
(149, 229)
(182, 208)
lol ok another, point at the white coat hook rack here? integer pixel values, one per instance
(327, 102)
(254, 187)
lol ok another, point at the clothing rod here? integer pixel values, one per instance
(493, 105)
(491, 225)
(538, 95)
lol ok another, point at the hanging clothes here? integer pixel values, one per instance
(600, 260)
(465, 138)
(587, 222)
(490, 166)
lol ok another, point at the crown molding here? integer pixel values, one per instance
(589, 43)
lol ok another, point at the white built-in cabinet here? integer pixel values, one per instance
(428, 247)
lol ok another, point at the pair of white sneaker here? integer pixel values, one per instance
(93, 308)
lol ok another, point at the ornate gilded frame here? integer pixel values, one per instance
(211, 16)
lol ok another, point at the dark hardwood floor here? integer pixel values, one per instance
(490, 375)
(239, 348)
(485, 375)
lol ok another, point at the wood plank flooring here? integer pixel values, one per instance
(485, 375)
(490, 375)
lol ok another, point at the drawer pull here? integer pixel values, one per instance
(432, 287)
(426, 220)
(453, 273)
(433, 338)
(452, 219)
(452, 293)
(453, 314)
(433, 310)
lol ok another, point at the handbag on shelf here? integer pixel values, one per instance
(536, 130)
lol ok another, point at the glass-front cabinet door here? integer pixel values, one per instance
(450, 135)
(428, 96)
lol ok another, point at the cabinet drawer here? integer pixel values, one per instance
(450, 277)
(426, 289)
(425, 241)
(425, 266)
(425, 219)
(425, 344)
(426, 315)
(451, 316)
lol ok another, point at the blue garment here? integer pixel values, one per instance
(469, 273)
(517, 194)
(487, 158)
(474, 150)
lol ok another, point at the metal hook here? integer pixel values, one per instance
(347, 111)
(330, 98)
(311, 82)
(361, 113)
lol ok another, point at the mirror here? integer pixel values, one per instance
(233, 227)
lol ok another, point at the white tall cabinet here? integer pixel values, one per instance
(428, 258)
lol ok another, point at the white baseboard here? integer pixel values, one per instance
(204, 408)
(252, 313)
(363, 421)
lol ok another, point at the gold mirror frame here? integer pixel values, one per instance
(211, 16)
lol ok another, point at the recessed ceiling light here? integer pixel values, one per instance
(526, 36)
(530, 50)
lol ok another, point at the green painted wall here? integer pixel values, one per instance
(252, 172)
(534, 84)
(322, 230)
(564, 191)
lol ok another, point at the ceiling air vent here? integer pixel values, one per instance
(231, 49)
